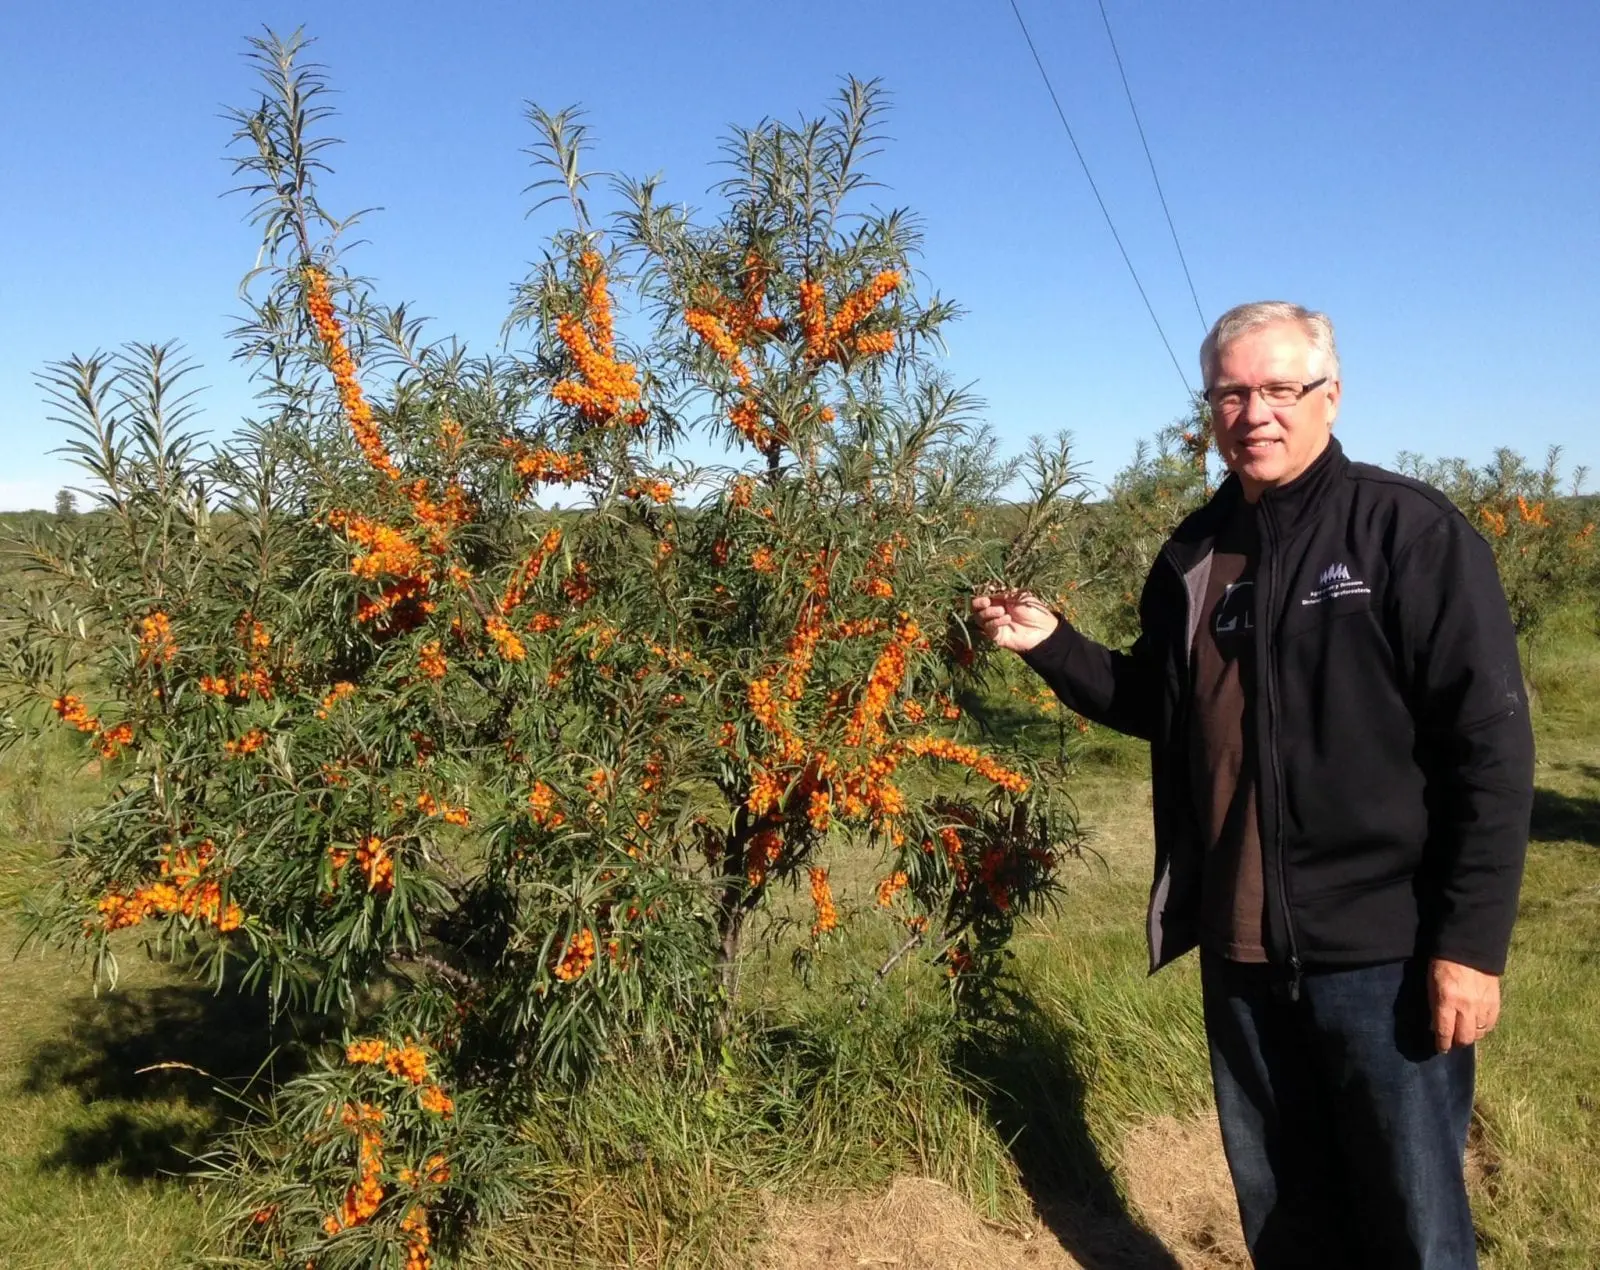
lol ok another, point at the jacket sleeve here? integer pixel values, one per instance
(1474, 740)
(1121, 690)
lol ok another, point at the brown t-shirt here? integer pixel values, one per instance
(1222, 742)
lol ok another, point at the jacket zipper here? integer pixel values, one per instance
(1268, 615)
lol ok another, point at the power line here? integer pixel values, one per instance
(1151, 160)
(1083, 163)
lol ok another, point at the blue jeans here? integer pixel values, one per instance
(1345, 1131)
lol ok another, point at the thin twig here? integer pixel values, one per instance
(441, 968)
(883, 971)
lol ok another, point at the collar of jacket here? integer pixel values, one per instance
(1290, 506)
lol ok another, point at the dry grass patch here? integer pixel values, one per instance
(1177, 1179)
(917, 1224)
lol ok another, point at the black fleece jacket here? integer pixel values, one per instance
(1395, 755)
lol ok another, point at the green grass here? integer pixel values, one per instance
(1027, 1113)
(1539, 1072)
(89, 1143)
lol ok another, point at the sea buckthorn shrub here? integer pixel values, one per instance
(369, 1160)
(466, 696)
(1537, 521)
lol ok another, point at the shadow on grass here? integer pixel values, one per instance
(158, 1071)
(1023, 1067)
(1054, 737)
(1566, 817)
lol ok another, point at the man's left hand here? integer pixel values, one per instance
(1465, 1003)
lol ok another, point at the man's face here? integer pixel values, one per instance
(1269, 445)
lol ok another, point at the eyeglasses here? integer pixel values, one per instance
(1236, 396)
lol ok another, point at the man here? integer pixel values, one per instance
(1342, 766)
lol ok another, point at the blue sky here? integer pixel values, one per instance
(1428, 173)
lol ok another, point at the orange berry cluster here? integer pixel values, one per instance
(435, 1170)
(374, 860)
(544, 465)
(822, 902)
(254, 682)
(760, 854)
(1532, 513)
(578, 586)
(407, 1062)
(387, 550)
(866, 724)
(108, 741)
(414, 1225)
(542, 804)
(357, 410)
(576, 956)
(968, 756)
(603, 384)
(505, 639)
(819, 810)
(827, 338)
(438, 519)
(762, 705)
(253, 637)
(801, 649)
(523, 575)
(183, 890)
(729, 327)
(709, 327)
(745, 415)
(428, 805)
(364, 1196)
(155, 640)
(955, 857)
(992, 872)
(436, 1102)
(766, 792)
(891, 886)
(431, 660)
(874, 582)
(344, 688)
(400, 602)
(247, 744)
(656, 491)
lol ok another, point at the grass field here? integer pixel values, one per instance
(1063, 1134)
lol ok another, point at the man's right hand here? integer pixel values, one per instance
(1013, 619)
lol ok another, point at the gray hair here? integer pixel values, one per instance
(1244, 318)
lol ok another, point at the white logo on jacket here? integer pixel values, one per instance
(1334, 582)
